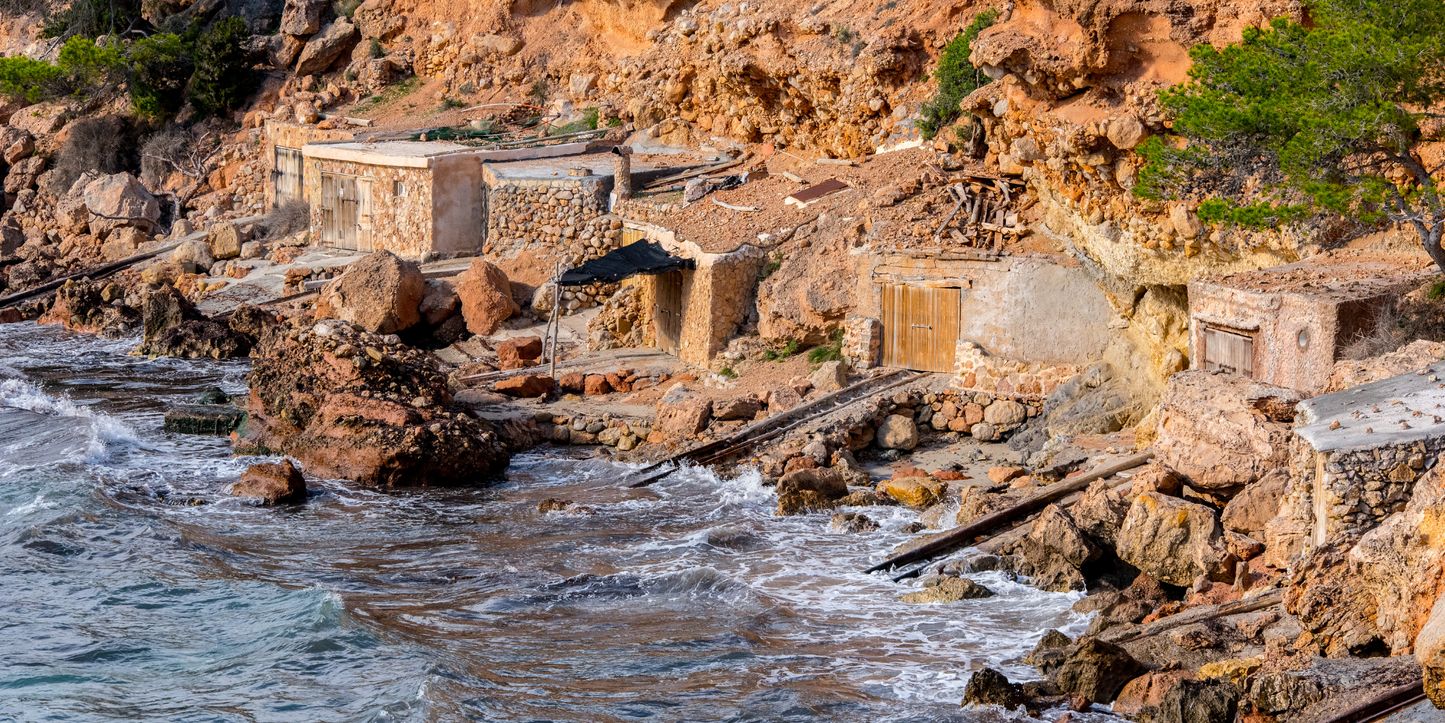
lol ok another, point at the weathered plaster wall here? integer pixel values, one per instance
(457, 209)
(1276, 320)
(1026, 308)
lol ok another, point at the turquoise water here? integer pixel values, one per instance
(133, 589)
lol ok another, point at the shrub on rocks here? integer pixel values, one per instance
(271, 483)
(381, 293)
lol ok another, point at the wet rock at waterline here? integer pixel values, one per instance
(947, 590)
(271, 483)
(990, 687)
(216, 419)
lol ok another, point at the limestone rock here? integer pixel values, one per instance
(194, 252)
(486, 297)
(781, 399)
(683, 418)
(825, 481)
(1197, 701)
(897, 432)
(325, 47)
(1216, 430)
(1416, 355)
(519, 352)
(1250, 510)
(302, 17)
(271, 483)
(1100, 512)
(1174, 540)
(948, 590)
(1125, 132)
(806, 299)
(496, 45)
(803, 502)
(736, 408)
(1097, 670)
(527, 385)
(830, 376)
(1148, 690)
(226, 240)
(439, 303)
(1005, 413)
(381, 293)
(120, 200)
(1186, 224)
(914, 491)
(1055, 531)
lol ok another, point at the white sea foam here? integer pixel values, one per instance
(106, 432)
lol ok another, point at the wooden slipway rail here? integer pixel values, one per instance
(965, 534)
(94, 274)
(714, 452)
(1390, 701)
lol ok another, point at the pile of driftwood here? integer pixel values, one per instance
(985, 212)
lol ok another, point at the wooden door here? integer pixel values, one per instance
(339, 217)
(667, 313)
(363, 215)
(287, 174)
(1231, 351)
(920, 327)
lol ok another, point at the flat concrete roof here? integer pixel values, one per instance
(423, 154)
(600, 163)
(1390, 412)
(1340, 280)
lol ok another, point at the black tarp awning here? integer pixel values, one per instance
(632, 259)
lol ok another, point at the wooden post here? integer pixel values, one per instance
(556, 314)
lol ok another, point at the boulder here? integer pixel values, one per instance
(1174, 540)
(573, 382)
(120, 200)
(990, 687)
(439, 302)
(596, 385)
(825, 481)
(1100, 513)
(948, 590)
(519, 352)
(897, 432)
(1418, 354)
(736, 408)
(684, 418)
(302, 17)
(1148, 691)
(914, 491)
(1054, 530)
(1250, 510)
(1097, 670)
(226, 240)
(1223, 431)
(528, 385)
(803, 502)
(1002, 474)
(271, 483)
(380, 293)
(486, 297)
(1199, 701)
(496, 45)
(1005, 413)
(830, 376)
(1125, 132)
(781, 399)
(325, 47)
(194, 252)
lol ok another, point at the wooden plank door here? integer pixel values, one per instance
(287, 174)
(363, 215)
(329, 234)
(340, 211)
(920, 327)
(1231, 351)
(667, 313)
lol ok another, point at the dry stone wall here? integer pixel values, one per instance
(401, 223)
(547, 217)
(974, 370)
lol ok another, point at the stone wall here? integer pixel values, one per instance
(549, 218)
(862, 340)
(977, 371)
(401, 224)
(1348, 492)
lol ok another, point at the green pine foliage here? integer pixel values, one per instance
(957, 78)
(223, 78)
(1297, 120)
(31, 81)
(160, 67)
